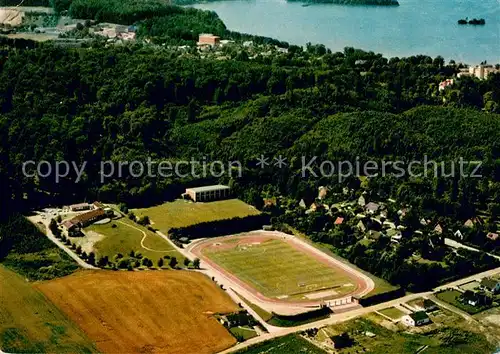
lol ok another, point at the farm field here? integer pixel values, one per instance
(184, 213)
(30, 323)
(128, 236)
(278, 269)
(145, 312)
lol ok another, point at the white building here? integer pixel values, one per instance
(416, 319)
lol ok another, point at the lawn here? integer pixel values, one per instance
(392, 312)
(184, 213)
(452, 297)
(278, 269)
(30, 323)
(145, 312)
(289, 344)
(128, 236)
(243, 333)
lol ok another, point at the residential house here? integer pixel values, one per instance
(339, 221)
(438, 229)
(470, 298)
(322, 192)
(372, 208)
(475, 298)
(395, 235)
(492, 236)
(402, 212)
(315, 206)
(362, 201)
(361, 226)
(374, 235)
(302, 204)
(415, 319)
(458, 234)
(426, 305)
(469, 223)
(388, 224)
(491, 285)
(444, 84)
(424, 222)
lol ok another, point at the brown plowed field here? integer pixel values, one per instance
(145, 312)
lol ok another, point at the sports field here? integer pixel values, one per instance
(278, 268)
(145, 312)
(29, 323)
(128, 236)
(184, 213)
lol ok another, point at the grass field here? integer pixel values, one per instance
(128, 236)
(243, 333)
(393, 313)
(145, 312)
(289, 344)
(29, 323)
(381, 285)
(184, 213)
(278, 269)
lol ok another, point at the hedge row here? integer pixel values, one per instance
(382, 297)
(219, 227)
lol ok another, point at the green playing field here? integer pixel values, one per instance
(278, 269)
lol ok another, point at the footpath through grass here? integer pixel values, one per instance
(124, 235)
(30, 323)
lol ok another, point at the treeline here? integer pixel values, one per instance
(25, 249)
(220, 227)
(44, 3)
(354, 2)
(301, 318)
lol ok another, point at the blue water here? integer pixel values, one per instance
(415, 27)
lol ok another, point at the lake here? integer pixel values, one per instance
(415, 27)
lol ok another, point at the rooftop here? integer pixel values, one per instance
(216, 187)
(419, 315)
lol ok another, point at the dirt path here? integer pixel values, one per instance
(145, 236)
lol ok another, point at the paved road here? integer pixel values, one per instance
(455, 244)
(50, 235)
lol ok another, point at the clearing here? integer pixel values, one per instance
(279, 268)
(182, 213)
(145, 312)
(126, 236)
(30, 323)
